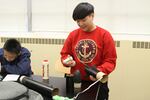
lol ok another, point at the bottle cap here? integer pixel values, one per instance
(45, 60)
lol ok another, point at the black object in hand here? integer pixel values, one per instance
(90, 70)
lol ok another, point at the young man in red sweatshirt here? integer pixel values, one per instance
(91, 45)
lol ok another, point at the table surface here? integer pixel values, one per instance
(60, 83)
(56, 82)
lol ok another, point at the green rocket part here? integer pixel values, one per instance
(56, 97)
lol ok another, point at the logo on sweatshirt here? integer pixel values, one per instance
(86, 50)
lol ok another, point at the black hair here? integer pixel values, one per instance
(82, 10)
(12, 46)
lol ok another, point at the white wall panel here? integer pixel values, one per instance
(13, 15)
(117, 16)
(48, 15)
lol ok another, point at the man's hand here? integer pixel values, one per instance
(69, 61)
(99, 75)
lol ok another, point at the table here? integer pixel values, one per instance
(60, 83)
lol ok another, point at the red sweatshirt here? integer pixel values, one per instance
(94, 48)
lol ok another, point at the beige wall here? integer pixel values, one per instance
(129, 81)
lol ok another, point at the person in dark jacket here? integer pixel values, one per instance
(15, 59)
